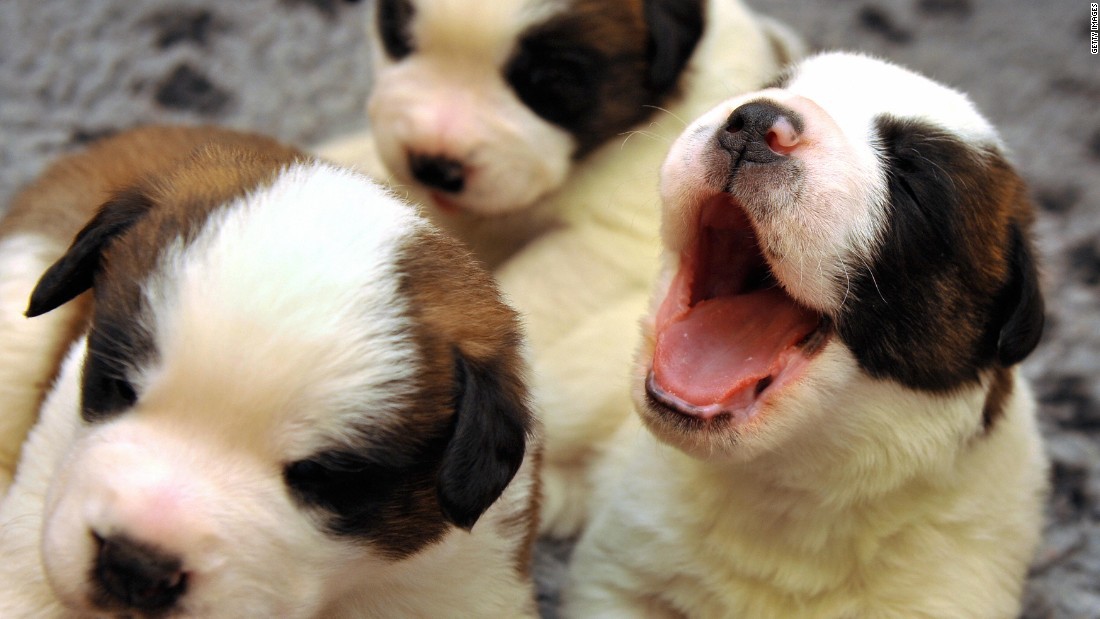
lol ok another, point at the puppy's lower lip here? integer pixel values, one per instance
(699, 413)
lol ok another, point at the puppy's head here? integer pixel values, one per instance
(283, 393)
(488, 104)
(852, 235)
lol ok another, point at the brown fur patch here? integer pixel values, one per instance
(1000, 389)
(461, 312)
(630, 66)
(935, 305)
(210, 168)
(524, 524)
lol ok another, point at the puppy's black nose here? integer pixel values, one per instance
(761, 131)
(438, 172)
(136, 576)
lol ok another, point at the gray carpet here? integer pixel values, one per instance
(72, 70)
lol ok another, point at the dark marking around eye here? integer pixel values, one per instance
(106, 391)
(383, 494)
(559, 83)
(394, 27)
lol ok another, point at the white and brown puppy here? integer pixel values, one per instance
(836, 426)
(484, 110)
(294, 397)
(507, 118)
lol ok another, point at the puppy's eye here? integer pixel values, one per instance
(123, 391)
(395, 27)
(558, 85)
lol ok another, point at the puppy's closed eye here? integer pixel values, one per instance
(346, 484)
(559, 84)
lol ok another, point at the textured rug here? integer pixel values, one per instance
(73, 70)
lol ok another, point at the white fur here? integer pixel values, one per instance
(847, 496)
(245, 380)
(30, 347)
(583, 285)
(927, 517)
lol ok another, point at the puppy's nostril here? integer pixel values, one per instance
(736, 123)
(137, 576)
(438, 172)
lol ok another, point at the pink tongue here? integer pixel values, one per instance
(721, 346)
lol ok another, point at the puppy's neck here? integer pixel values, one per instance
(886, 446)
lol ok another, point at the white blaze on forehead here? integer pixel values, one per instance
(286, 308)
(484, 30)
(856, 89)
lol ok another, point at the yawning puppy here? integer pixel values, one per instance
(836, 425)
(293, 397)
(510, 118)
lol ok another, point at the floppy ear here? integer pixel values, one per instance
(675, 27)
(1024, 314)
(72, 274)
(490, 434)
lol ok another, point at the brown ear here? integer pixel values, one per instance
(74, 272)
(1023, 323)
(492, 420)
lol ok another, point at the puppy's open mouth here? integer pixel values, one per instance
(727, 334)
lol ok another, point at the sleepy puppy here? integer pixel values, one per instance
(835, 422)
(289, 396)
(545, 120)
(484, 111)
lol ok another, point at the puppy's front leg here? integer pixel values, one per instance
(602, 600)
(604, 581)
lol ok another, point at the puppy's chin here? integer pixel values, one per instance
(757, 422)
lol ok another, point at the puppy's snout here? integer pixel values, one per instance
(438, 172)
(761, 131)
(136, 576)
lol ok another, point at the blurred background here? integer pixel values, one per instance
(75, 70)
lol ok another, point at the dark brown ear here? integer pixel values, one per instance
(1023, 323)
(492, 419)
(675, 27)
(73, 273)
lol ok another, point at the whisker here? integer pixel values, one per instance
(669, 112)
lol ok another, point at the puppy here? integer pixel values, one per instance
(290, 396)
(836, 423)
(535, 119)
